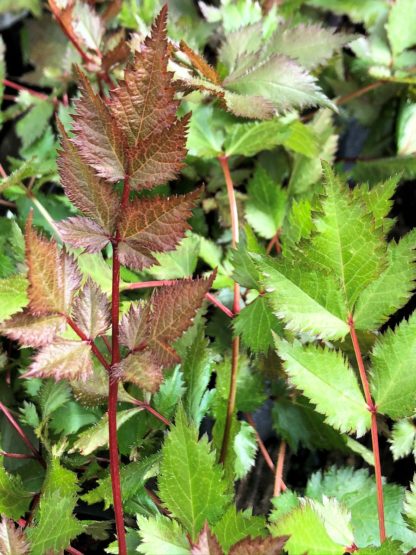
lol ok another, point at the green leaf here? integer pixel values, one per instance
(169, 394)
(382, 168)
(357, 491)
(248, 139)
(403, 439)
(255, 324)
(307, 533)
(389, 547)
(406, 126)
(305, 300)
(13, 296)
(190, 483)
(161, 535)
(245, 271)
(197, 369)
(32, 125)
(132, 479)
(97, 436)
(410, 504)
(180, 263)
(266, 204)
(379, 200)
(401, 25)
(392, 384)
(206, 135)
(236, 525)
(329, 382)
(52, 396)
(14, 500)
(245, 449)
(347, 244)
(392, 289)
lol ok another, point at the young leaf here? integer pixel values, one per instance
(160, 534)
(266, 205)
(403, 439)
(190, 483)
(391, 382)
(91, 310)
(305, 300)
(84, 233)
(32, 331)
(97, 137)
(153, 225)
(206, 543)
(12, 539)
(90, 194)
(245, 448)
(325, 378)
(63, 359)
(237, 525)
(53, 275)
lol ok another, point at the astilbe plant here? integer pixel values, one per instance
(134, 137)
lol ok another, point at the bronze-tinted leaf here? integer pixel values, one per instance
(141, 369)
(12, 539)
(33, 331)
(160, 157)
(64, 359)
(91, 311)
(259, 546)
(53, 275)
(97, 137)
(84, 233)
(143, 104)
(153, 225)
(133, 326)
(206, 544)
(90, 194)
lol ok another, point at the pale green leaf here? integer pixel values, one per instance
(305, 300)
(401, 25)
(52, 396)
(245, 449)
(329, 382)
(97, 436)
(205, 135)
(31, 126)
(13, 296)
(266, 204)
(180, 263)
(392, 289)
(410, 504)
(190, 483)
(247, 139)
(236, 525)
(162, 535)
(389, 547)
(307, 533)
(406, 130)
(169, 394)
(403, 439)
(392, 383)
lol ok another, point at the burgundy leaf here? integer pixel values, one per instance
(133, 326)
(90, 194)
(84, 233)
(33, 331)
(153, 225)
(62, 360)
(97, 137)
(91, 311)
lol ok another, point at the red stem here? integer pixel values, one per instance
(16, 455)
(262, 447)
(22, 434)
(374, 430)
(3, 172)
(73, 551)
(94, 347)
(279, 469)
(219, 304)
(113, 384)
(18, 87)
(151, 410)
(223, 160)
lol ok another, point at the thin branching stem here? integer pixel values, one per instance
(18, 87)
(374, 429)
(151, 410)
(278, 481)
(22, 434)
(96, 351)
(261, 445)
(223, 160)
